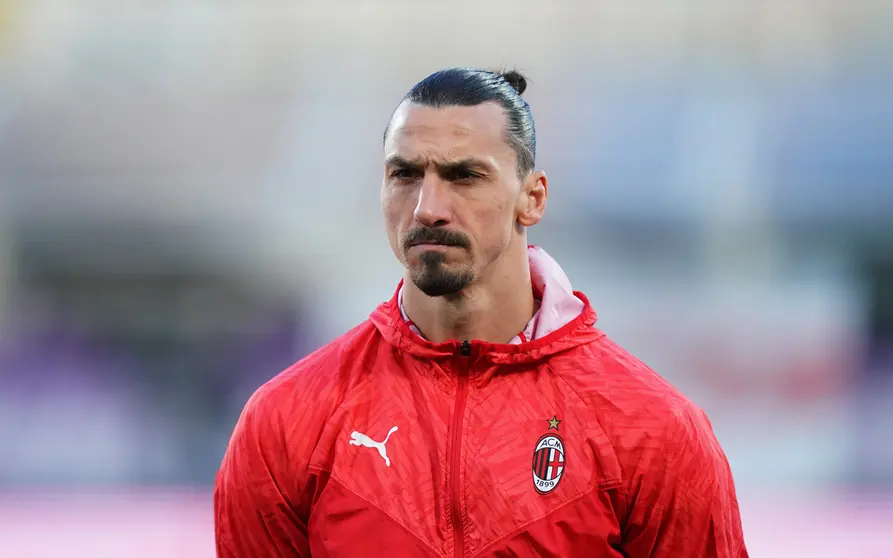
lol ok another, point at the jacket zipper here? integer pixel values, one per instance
(456, 448)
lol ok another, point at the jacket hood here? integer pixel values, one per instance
(564, 320)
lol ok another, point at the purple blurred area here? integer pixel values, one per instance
(99, 396)
(189, 202)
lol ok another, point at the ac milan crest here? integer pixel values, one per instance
(548, 461)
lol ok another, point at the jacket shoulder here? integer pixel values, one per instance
(603, 370)
(637, 408)
(670, 458)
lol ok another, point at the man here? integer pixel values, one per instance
(479, 412)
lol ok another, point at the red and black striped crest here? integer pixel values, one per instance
(548, 463)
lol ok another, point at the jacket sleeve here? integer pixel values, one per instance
(256, 512)
(682, 501)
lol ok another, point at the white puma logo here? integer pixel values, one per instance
(359, 439)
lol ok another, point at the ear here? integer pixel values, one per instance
(532, 201)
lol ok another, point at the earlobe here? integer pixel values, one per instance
(529, 217)
(536, 192)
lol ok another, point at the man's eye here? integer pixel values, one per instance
(405, 174)
(461, 176)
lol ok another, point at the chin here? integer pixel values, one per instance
(440, 280)
(435, 289)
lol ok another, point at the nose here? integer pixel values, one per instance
(434, 205)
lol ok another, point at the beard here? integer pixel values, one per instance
(434, 278)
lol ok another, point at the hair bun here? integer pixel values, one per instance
(516, 80)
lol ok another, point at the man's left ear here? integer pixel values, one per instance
(532, 201)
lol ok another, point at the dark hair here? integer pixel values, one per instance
(467, 87)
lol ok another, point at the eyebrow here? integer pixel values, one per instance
(469, 163)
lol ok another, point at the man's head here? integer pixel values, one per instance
(459, 186)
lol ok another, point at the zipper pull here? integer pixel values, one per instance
(466, 348)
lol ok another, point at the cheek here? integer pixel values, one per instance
(496, 225)
(397, 208)
(390, 207)
(391, 221)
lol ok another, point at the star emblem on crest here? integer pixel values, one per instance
(554, 422)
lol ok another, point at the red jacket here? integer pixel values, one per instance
(383, 444)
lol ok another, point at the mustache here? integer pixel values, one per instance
(428, 235)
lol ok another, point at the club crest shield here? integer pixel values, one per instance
(548, 463)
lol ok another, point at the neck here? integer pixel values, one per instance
(493, 309)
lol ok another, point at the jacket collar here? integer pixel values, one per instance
(564, 320)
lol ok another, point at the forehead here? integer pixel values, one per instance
(448, 132)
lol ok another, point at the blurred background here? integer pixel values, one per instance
(189, 203)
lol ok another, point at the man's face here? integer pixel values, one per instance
(450, 193)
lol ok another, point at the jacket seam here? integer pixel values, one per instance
(582, 399)
(427, 545)
(617, 481)
(598, 486)
(336, 401)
